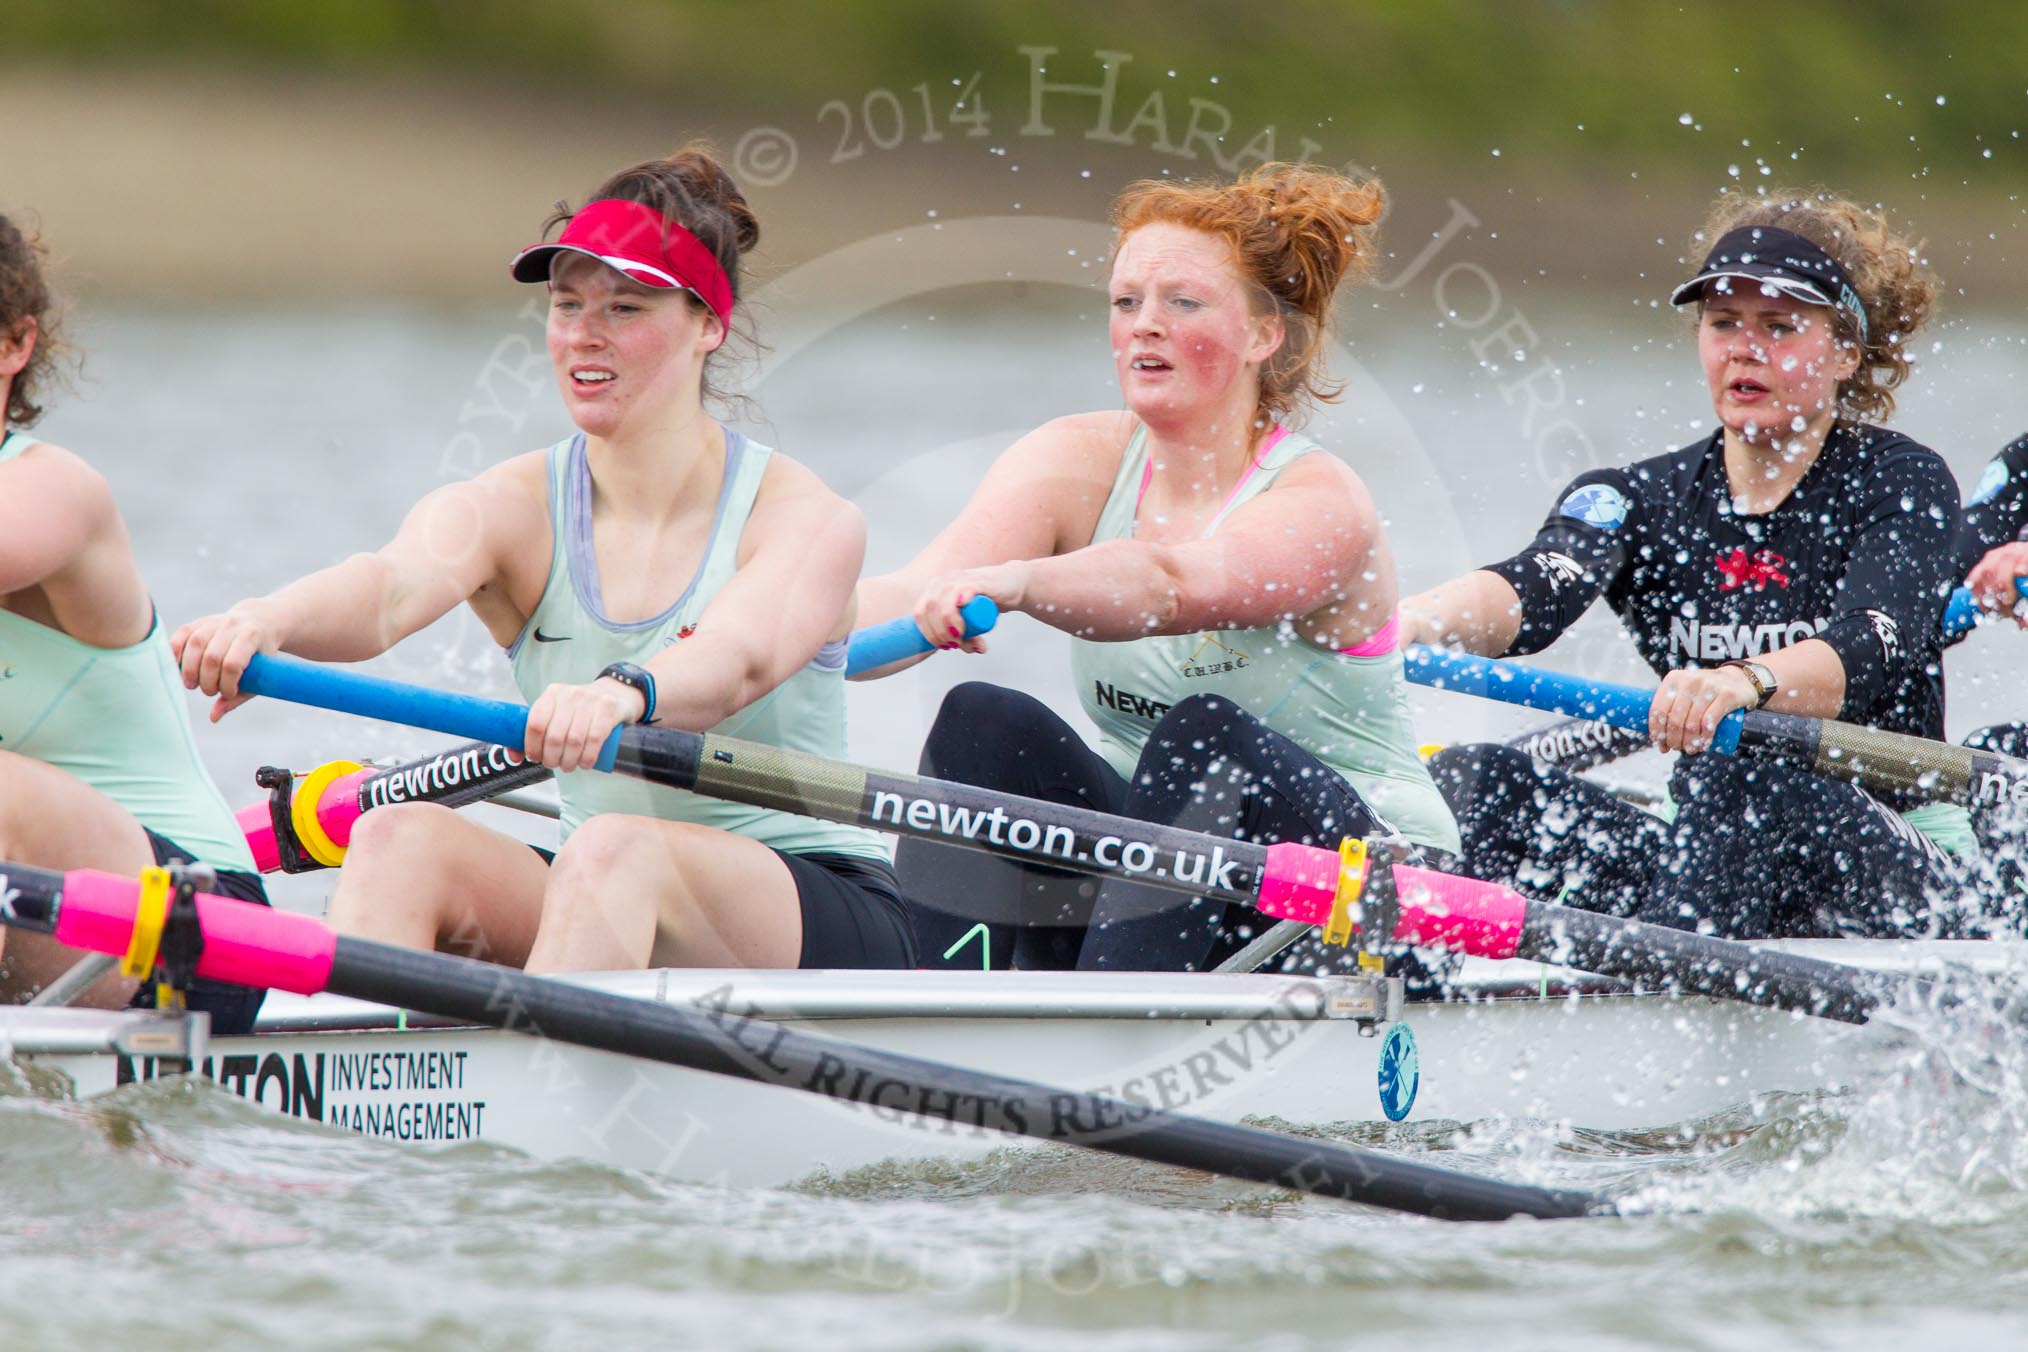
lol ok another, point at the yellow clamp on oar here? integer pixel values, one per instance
(310, 832)
(151, 911)
(1351, 882)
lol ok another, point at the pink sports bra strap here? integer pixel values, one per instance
(1384, 641)
(1268, 443)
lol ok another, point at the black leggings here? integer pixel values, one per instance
(1208, 766)
(2002, 826)
(1756, 850)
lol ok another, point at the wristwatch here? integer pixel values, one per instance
(1764, 682)
(627, 674)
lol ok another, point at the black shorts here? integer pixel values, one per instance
(232, 1008)
(853, 914)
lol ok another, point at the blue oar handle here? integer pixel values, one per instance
(879, 644)
(355, 692)
(1963, 612)
(1620, 705)
(502, 723)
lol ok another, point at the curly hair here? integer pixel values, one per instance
(692, 188)
(25, 295)
(1889, 272)
(1298, 232)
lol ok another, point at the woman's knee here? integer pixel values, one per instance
(977, 713)
(408, 835)
(608, 845)
(1203, 715)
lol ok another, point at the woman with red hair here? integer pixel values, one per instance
(1226, 581)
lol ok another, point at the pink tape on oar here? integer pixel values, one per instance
(249, 944)
(338, 809)
(1438, 910)
(1464, 915)
(337, 812)
(1299, 882)
(257, 824)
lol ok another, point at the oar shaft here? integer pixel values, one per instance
(321, 809)
(259, 946)
(1288, 880)
(722, 1044)
(1578, 744)
(1882, 760)
(1672, 959)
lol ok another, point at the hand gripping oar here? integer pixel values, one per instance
(255, 946)
(1867, 756)
(1401, 904)
(877, 645)
(1964, 613)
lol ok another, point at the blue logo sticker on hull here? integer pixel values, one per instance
(1400, 1072)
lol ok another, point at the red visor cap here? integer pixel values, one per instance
(641, 242)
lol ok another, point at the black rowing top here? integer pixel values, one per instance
(1998, 507)
(1860, 554)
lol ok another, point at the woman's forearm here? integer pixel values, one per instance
(1478, 612)
(339, 614)
(1111, 592)
(1810, 678)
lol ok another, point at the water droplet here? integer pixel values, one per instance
(1686, 119)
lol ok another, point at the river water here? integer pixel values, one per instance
(247, 448)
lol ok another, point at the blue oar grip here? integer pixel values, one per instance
(355, 692)
(1963, 612)
(1620, 705)
(877, 645)
(1725, 741)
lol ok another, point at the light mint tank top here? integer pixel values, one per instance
(569, 640)
(118, 719)
(1350, 712)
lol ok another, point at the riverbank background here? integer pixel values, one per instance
(223, 150)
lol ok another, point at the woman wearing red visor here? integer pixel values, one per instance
(654, 567)
(1796, 559)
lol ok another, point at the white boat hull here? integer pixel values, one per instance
(1226, 1047)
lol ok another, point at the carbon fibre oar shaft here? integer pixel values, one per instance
(1407, 905)
(1890, 761)
(253, 945)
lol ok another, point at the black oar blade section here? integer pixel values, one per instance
(725, 1044)
(1672, 959)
